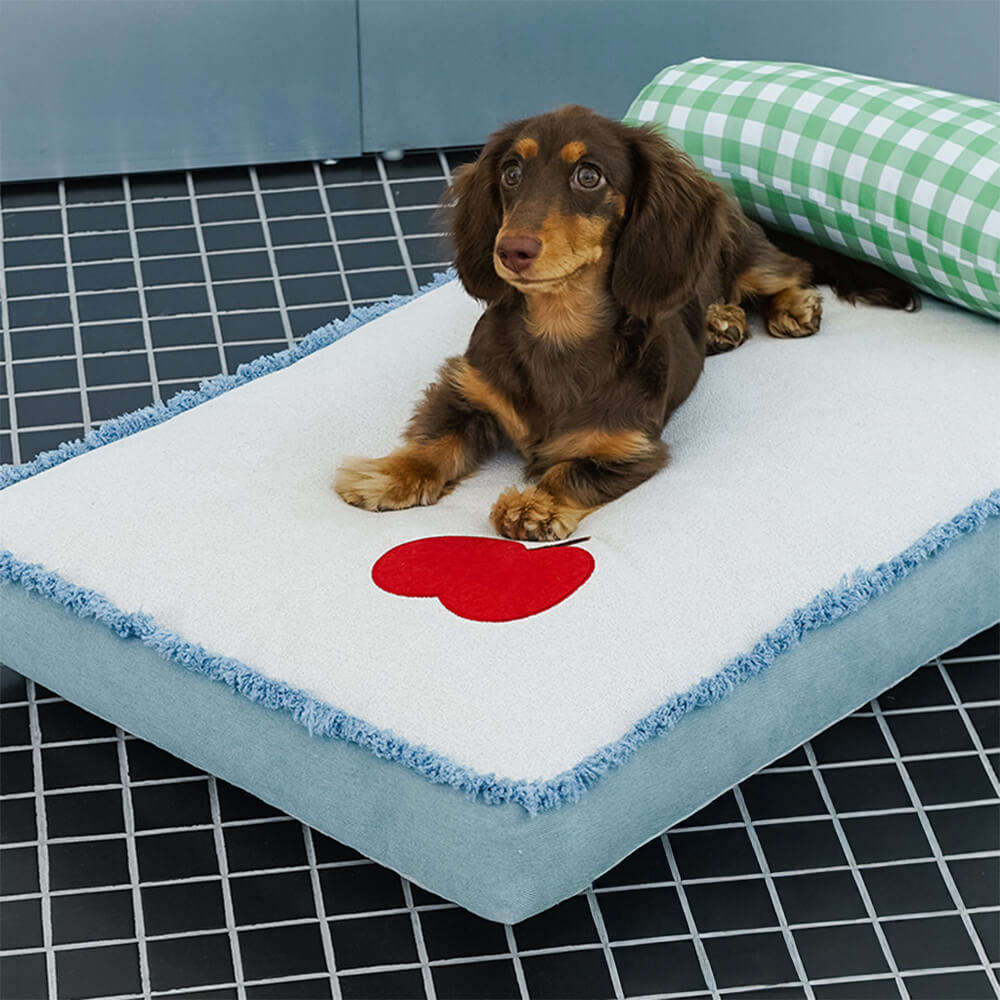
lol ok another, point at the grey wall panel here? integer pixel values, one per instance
(107, 86)
(449, 71)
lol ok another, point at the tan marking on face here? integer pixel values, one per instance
(572, 151)
(618, 201)
(572, 239)
(527, 148)
(418, 474)
(569, 241)
(564, 287)
(604, 445)
(484, 396)
(569, 302)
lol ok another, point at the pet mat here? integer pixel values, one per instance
(499, 721)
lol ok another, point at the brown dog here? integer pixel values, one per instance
(610, 267)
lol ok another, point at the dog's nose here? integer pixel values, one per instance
(518, 253)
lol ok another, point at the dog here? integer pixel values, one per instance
(610, 268)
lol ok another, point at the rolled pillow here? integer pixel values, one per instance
(904, 176)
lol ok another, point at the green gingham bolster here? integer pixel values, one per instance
(904, 176)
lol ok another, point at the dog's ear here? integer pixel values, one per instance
(674, 228)
(474, 211)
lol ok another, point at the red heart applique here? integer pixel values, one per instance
(484, 579)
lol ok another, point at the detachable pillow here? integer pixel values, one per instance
(902, 175)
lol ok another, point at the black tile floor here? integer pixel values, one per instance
(865, 864)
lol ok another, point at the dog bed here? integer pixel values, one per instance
(502, 722)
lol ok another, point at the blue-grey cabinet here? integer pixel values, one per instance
(447, 72)
(111, 86)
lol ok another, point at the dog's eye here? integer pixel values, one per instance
(587, 176)
(512, 174)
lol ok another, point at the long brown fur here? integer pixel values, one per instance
(610, 268)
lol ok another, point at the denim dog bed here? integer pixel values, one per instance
(502, 722)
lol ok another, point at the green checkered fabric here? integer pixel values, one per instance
(904, 176)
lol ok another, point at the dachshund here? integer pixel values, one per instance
(610, 268)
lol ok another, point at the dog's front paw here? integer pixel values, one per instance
(395, 482)
(795, 312)
(534, 515)
(726, 327)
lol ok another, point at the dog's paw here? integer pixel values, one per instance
(726, 327)
(794, 312)
(534, 515)
(395, 482)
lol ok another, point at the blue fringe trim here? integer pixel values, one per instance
(149, 416)
(321, 719)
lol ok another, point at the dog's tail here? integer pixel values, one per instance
(852, 280)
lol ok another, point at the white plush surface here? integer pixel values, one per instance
(794, 462)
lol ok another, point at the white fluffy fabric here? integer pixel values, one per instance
(794, 462)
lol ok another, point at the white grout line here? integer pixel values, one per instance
(8, 355)
(699, 945)
(445, 167)
(935, 846)
(522, 983)
(147, 335)
(74, 311)
(471, 959)
(396, 225)
(128, 812)
(41, 822)
(62, 391)
(206, 270)
(227, 895)
(319, 304)
(750, 991)
(222, 195)
(287, 869)
(979, 658)
(779, 910)
(74, 789)
(324, 926)
(822, 817)
(170, 349)
(732, 991)
(602, 934)
(973, 734)
(333, 233)
(269, 247)
(859, 881)
(242, 220)
(840, 765)
(232, 251)
(86, 742)
(418, 937)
